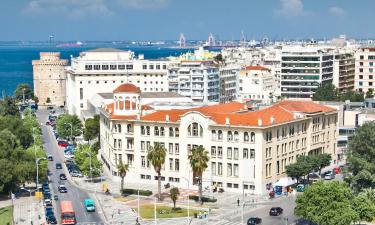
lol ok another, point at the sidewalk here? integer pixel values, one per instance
(28, 211)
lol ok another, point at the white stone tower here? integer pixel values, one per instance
(50, 79)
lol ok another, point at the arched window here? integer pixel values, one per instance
(195, 130)
(176, 132)
(147, 130)
(143, 130)
(246, 137)
(220, 135)
(129, 128)
(162, 131)
(252, 137)
(214, 136)
(156, 131)
(236, 136)
(171, 132)
(230, 136)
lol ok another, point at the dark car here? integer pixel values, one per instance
(62, 176)
(58, 166)
(63, 144)
(51, 219)
(254, 221)
(50, 107)
(62, 189)
(46, 196)
(276, 211)
(50, 158)
(49, 211)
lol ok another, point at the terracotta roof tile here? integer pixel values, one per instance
(127, 88)
(256, 68)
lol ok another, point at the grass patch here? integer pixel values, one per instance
(162, 211)
(6, 215)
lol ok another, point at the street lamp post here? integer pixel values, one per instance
(89, 154)
(37, 171)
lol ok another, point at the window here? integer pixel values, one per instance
(268, 135)
(88, 67)
(245, 153)
(229, 153)
(213, 134)
(113, 67)
(129, 67)
(229, 136)
(121, 67)
(156, 131)
(143, 130)
(151, 67)
(144, 66)
(143, 161)
(235, 153)
(147, 130)
(213, 151)
(236, 138)
(158, 67)
(220, 169)
(176, 132)
(143, 146)
(171, 148)
(171, 132)
(229, 170)
(177, 165)
(213, 168)
(105, 67)
(252, 137)
(171, 164)
(246, 137)
(96, 67)
(220, 135)
(81, 93)
(219, 152)
(252, 153)
(128, 128)
(235, 171)
(195, 130)
(176, 148)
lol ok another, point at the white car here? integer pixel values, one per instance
(69, 156)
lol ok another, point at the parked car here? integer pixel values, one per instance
(62, 143)
(62, 176)
(254, 221)
(47, 203)
(51, 219)
(76, 173)
(46, 196)
(69, 156)
(89, 205)
(276, 211)
(50, 158)
(48, 123)
(62, 189)
(58, 166)
(329, 176)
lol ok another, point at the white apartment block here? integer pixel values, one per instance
(257, 84)
(102, 70)
(248, 149)
(364, 69)
(228, 75)
(304, 69)
(344, 69)
(196, 79)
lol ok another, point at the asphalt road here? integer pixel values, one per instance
(74, 194)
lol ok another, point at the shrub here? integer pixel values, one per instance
(135, 192)
(204, 199)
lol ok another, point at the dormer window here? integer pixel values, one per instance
(195, 130)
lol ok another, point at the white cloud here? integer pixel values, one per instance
(143, 4)
(291, 8)
(68, 8)
(337, 11)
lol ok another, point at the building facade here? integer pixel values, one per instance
(304, 69)
(344, 70)
(257, 84)
(248, 150)
(50, 78)
(100, 70)
(364, 69)
(228, 75)
(196, 79)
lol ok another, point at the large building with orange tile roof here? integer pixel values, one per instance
(248, 148)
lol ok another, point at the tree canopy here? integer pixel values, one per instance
(23, 89)
(328, 92)
(82, 159)
(370, 93)
(67, 124)
(8, 107)
(91, 130)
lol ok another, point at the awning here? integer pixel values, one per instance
(284, 182)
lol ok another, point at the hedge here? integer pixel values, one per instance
(135, 192)
(204, 199)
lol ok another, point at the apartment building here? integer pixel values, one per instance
(257, 84)
(228, 80)
(364, 69)
(344, 69)
(99, 70)
(248, 149)
(304, 69)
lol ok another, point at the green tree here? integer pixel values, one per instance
(370, 194)
(48, 100)
(327, 203)
(370, 93)
(321, 160)
(295, 170)
(67, 124)
(91, 130)
(361, 153)
(21, 90)
(219, 58)
(122, 170)
(326, 92)
(199, 162)
(82, 159)
(8, 106)
(156, 155)
(364, 208)
(352, 96)
(18, 128)
(174, 192)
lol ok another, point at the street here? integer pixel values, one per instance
(74, 194)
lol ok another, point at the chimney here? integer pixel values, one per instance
(167, 118)
(272, 120)
(227, 121)
(260, 122)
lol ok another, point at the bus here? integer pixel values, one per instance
(67, 213)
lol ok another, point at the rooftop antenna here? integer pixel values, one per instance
(243, 39)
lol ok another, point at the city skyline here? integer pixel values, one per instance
(103, 20)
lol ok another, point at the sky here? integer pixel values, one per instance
(123, 20)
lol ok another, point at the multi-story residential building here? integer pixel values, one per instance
(304, 69)
(50, 78)
(248, 150)
(228, 75)
(196, 79)
(100, 70)
(344, 69)
(364, 69)
(257, 84)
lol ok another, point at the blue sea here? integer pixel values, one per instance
(16, 57)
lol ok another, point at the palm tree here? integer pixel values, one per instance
(122, 170)
(156, 155)
(199, 163)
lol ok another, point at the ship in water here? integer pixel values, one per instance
(67, 45)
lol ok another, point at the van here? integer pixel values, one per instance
(89, 205)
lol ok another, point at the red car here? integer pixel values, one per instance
(63, 144)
